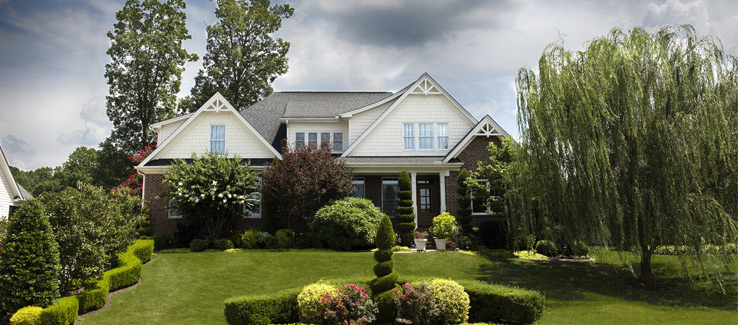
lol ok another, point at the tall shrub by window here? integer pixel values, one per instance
(405, 215)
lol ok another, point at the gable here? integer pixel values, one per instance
(487, 127)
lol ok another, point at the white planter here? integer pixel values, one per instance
(420, 244)
(440, 244)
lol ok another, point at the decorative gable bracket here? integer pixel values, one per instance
(217, 106)
(425, 87)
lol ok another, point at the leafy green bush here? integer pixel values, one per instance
(454, 300)
(27, 316)
(237, 240)
(497, 303)
(579, 248)
(346, 224)
(546, 248)
(309, 302)
(285, 238)
(221, 244)
(127, 273)
(444, 226)
(143, 249)
(161, 241)
(94, 295)
(251, 239)
(416, 304)
(198, 245)
(29, 261)
(272, 308)
(64, 312)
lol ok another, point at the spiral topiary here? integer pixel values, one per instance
(464, 211)
(386, 279)
(405, 216)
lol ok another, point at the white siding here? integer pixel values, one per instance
(317, 127)
(195, 138)
(386, 138)
(6, 195)
(362, 121)
(167, 130)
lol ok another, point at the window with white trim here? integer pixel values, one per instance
(256, 211)
(358, 187)
(408, 134)
(217, 139)
(480, 201)
(172, 211)
(325, 139)
(425, 136)
(337, 141)
(389, 196)
(313, 140)
(442, 136)
(300, 140)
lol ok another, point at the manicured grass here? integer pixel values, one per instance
(189, 288)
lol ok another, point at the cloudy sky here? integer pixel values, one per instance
(52, 54)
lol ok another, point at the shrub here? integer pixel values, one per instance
(285, 238)
(309, 302)
(579, 248)
(143, 249)
(221, 244)
(464, 210)
(497, 303)
(346, 224)
(262, 310)
(416, 305)
(64, 312)
(546, 248)
(524, 242)
(270, 242)
(161, 241)
(405, 216)
(27, 316)
(186, 233)
(454, 300)
(198, 245)
(251, 239)
(29, 261)
(126, 274)
(144, 226)
(444, 226)
(237, 240)
(386, 279)
(94, 295)
(349, 305)
(493, 233)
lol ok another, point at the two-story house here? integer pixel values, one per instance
(420, 128)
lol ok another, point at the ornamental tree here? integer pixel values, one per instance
(387, 276)
(212, 189)
(405, 215)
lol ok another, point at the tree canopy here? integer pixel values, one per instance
(631, 142)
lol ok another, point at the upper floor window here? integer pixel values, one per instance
(300, 140)
(313, 140)
(442, 136)
(408, 134)
(325, 139)
(337, 141)
(425, 136)
(217, 139)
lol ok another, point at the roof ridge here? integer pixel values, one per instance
(334, 91)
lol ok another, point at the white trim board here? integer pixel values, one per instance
(486, 127)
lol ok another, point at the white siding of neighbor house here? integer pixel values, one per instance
(360, 122)
(195, 137)
(167, 130)
(6, 196)
(386, 139)
(317, 127)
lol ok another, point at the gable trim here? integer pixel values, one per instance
(222, 106)
(156, 126)
(14, 187)
(372, 105)
(478, 130)
(408, 90)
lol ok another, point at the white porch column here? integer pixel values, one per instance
(414, 181)
(442, 188)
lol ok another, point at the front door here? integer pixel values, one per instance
(427, 199)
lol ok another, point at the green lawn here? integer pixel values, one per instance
(189, 288)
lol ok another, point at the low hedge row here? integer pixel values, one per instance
(267, 309)
(66, 310)
(498, 303)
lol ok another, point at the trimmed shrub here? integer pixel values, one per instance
(454, 300)
(546, 248)
(444, 226)
(346, 224)
(222, 244)
(64, 312)
(126, 274)
(309, 302)
(186, 233)
(198, 245)
(161, 241)
(143, 249)
(251, 239)
(27, 316)
(29, 261)
(416, 305)
(386, 279)
(263, 310)
(464, 202)
(94, 295)
(237, 240)
(405, 217)
(497, 303)
(285, 238)
(349, 305)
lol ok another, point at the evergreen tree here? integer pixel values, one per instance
(386, 279)
(405, 216)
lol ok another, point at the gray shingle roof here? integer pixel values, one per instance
(327, 104)
(394, 160)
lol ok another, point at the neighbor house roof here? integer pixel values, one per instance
(19, 193)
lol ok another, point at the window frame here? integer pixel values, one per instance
(171, 210)
(312, 143)
(214, 140)
(246, 215)
(299, 143)
(397, 199)
(430, 137)
(410, 137)
(356, 185)
(324, 140)
(334, 142)
(440, 137)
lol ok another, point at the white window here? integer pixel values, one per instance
(217, 139)
(313, 140)
(358, 187)
(325, 139)
(409, 135)
(442, 136)
(256, 211)
(172, 211)
(389, 196)
(337, 141)
(425, 136)
(480, 201)
(300, 140)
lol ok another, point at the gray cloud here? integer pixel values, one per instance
(14, 145)
(97, 125)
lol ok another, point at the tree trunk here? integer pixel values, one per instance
(646, 271)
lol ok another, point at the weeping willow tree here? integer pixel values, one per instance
(632, 143)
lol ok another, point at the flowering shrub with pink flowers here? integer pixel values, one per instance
(135, 181)
(349, 305)
(415, 304)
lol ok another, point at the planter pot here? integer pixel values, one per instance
(440, 244)
(420, 244)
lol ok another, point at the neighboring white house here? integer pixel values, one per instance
(420, 128)
(11, 194)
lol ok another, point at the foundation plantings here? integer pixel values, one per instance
(386, 279)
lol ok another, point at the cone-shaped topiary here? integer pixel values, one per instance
(464, 211)
(386, 279)
(405, 216)
(30, 262)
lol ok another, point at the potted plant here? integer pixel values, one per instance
(444, 227)
(421, 238)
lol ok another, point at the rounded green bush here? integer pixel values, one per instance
(383, 255)
(546, 248)
(27, 316)
(198, 245)
(311, 308)
(444, 226)
(251, 239)
(222, 244)
(384, 268)
(161, 241)
(285, 238)
(346, 224)
(454, 299)
(385, 234)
